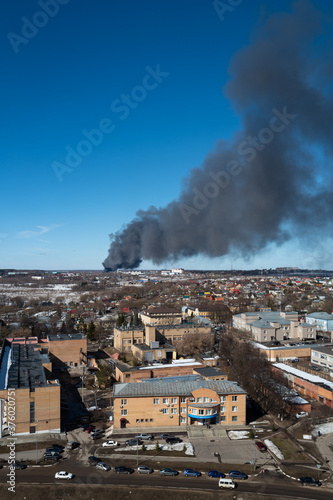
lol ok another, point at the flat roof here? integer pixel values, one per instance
(65, 336)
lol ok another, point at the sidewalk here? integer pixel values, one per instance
(323, 443)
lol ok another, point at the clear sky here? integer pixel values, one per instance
(66, 67)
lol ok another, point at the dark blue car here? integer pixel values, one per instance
(236, 474)
(191, 472)
(215, 473)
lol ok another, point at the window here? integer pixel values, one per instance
(223, 399)
(194, 411)
(124, 412)
(213, 400)
(199, 400)
(142, 420)
(124, 401)
(156, 401)
(183, 400)
(173, 401)
(151, 420)
(208, 412)
(165, 411)
(234, 418)
(32, 411)
(201, 412)
(137, 420)
(165, 401)
(234, 408)
(223, 409)
(174, 411)
(183, 420)
(206, 400)
(183, 410)
(146, 419)
(223, 418)
(235, 398)
(71, 363)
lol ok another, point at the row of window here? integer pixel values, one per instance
(173, 401)
(223, 418)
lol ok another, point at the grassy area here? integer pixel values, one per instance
(31, 445)
(289, 450)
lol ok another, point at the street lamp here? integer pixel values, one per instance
(36, 441)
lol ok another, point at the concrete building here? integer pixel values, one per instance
(178, 401)
(272, 325)
(25, 391)
(322, 320)
(323, 357)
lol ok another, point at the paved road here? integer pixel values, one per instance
(90, 477)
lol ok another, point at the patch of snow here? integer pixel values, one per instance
(238, 434)
(274, 449)
(323, 429)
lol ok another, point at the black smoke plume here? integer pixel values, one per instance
(273, 180)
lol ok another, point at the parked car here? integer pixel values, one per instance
(173, 440)
(236, 474)
(103, 466)
(63, 475)
(315, 368)
(144, 436)
(51, 456)
(71, 445)
(143, 469)
(53, 450)
(19, 466)
(296, 360)
(58, 447)
(261, 446)
(215, 473)
(191, 472)
(133, 442)
(302, 414)
(110, 443)
(96, 436)
(94, 460)
(123, 470)
(88, 428)
(164, 436)
(168, 472)
(310, 481)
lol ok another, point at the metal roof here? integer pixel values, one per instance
(175, 388)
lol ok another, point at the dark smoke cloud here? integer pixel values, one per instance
(281, 185)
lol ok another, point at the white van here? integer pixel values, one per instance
(225, 482)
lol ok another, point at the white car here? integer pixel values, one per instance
(63, 475)
(302, 414)
(110, 443)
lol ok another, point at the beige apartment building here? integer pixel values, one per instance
(160, 316)
(178, 401)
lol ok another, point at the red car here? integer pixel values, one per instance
(261, 446)
(89, 428)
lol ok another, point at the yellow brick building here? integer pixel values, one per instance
(178, 401)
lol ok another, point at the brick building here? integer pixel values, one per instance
(178, 401)
(25, 388)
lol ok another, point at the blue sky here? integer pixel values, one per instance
(69, 75)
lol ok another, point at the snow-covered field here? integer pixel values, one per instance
(47, 292)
